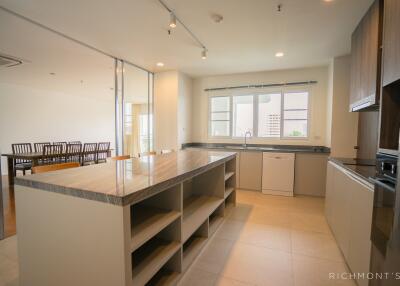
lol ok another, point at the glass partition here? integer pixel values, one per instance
(137, 114)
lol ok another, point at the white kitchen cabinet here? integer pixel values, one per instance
(360, 230)
(278, 173)
(348, 209)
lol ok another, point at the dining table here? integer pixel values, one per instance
(34, 157)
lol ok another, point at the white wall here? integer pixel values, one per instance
(185, 87)
(166, 110)
(344, 124)
(318, 132)
(172, 110)
(36, 115)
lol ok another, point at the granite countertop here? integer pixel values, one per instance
(260, 147)
(361, 168)
(125, 182)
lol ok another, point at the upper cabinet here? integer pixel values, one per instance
(391, 42)
(366, 42)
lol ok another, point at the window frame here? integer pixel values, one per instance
(283, 137)
(255, 95)
(210, 116)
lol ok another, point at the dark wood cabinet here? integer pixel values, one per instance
(367, 139)
(366, 58)
(391, 42)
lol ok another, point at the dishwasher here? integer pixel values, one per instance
(278, 173)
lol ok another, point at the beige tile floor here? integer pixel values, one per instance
(269, 240)
(265, 240)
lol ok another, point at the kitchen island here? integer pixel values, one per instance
(132, 222)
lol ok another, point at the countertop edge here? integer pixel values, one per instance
(260, 148)
(355, 173)
(115, 200)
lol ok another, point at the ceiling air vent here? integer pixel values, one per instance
(8, 61)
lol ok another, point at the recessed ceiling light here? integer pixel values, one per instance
(160, 64)
(328, 0)
(279, 54)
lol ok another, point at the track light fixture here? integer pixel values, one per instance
(204, 54)
(172, 20)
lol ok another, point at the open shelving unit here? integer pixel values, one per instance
(215, 219)
(169, 229)
(194, 244)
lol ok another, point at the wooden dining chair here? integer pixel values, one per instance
(166, 151)
(119, 158)
(38, 147)
(89, 154)
(54, 167)
(73, 153)
(52, 154)
(150, 153)
(21, 164)
(102, 151)
(63, 144)
(74, 142)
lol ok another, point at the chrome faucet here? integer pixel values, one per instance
(245, 138)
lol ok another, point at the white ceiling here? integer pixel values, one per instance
(309, 32)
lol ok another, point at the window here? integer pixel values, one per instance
(295, 113)
(242, 115)
(145, 132)
(220, 116)
(268, 115)
(128, 117)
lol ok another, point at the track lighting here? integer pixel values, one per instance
(204, 54)
(172, 20)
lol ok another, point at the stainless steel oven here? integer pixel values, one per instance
(385, 231)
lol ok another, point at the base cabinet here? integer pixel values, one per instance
(348, 210)
(250, 170)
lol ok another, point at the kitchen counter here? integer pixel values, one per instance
(125, 182)
(364, 169)
(260, 147)
(140, 221)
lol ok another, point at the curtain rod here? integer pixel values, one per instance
(263, 85)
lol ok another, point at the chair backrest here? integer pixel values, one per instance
(54, 167)
(89, 153)
(51, 154)
(74, 142)
(102, 151)
(166, 151)
(63, 144)
(122, 157)
(150, 153)
(18, 148)
(73, 153)
(38, 147)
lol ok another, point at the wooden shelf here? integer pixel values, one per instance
(228, 191)
(196, 210)
(229, 206)
(191, 249)
(147, 222)
(150, 258)
(228, 175)
(215, 222)
(164, 277)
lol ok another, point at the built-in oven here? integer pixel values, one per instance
(385, 231)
